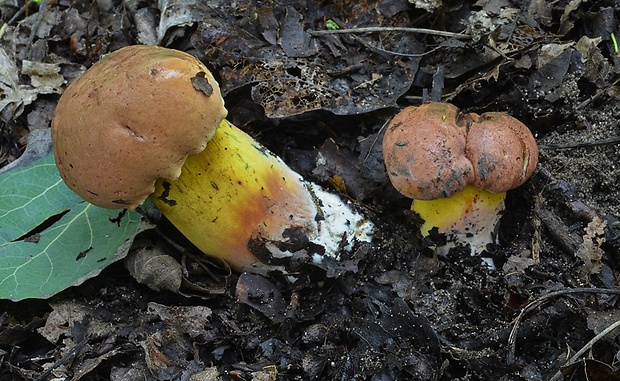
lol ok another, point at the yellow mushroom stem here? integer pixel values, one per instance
(469, 217)
(237, 201)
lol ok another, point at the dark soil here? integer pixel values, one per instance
(392, 310)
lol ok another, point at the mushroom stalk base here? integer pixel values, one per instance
(239, 202)
(469, 217)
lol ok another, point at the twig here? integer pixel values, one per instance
(512, 339)
(39, 18)
(15, 16)
(68, 356)
(434, 32)
(586, 347)
(3, 29)
(597, 95)
(3, 318)
(438, 83)
(375, 140)
(381, 50)
(602, 142)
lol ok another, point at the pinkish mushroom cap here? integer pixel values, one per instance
(502, 150)
(433, 151)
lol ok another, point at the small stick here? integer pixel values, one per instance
(512, 339)
(602, 142)
(558, 375)
(371, 29)
(37, 23)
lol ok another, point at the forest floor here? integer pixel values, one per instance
(297, 78)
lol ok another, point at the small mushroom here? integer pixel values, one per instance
(148, 121)
(457, 168)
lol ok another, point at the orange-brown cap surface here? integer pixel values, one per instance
(132, 118)
(433, 151)
(502, 150)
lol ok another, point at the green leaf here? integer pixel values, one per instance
(51, 239)
(331, 25)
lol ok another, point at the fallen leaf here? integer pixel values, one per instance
(77, 239)
(190, 320)
(262, 295)
(154, 268)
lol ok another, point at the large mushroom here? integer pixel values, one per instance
(457, 168)
(148, 121)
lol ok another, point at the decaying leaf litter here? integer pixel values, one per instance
(320, 100)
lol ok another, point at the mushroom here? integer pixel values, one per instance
(457, 168)
(148, 121)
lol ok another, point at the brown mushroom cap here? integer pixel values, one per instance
(132, 118)
(434, 151)
(502, 150)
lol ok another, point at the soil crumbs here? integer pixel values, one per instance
(390, 310)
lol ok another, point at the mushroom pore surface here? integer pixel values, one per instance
(433, 151)
(132, 118)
